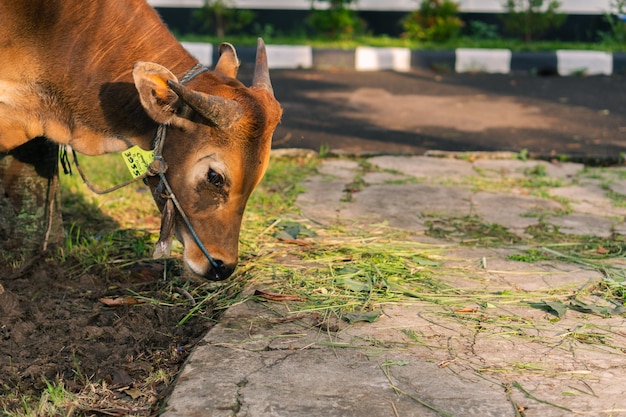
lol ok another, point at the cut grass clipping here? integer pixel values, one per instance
(330, 270)
(349, 276)
(595, 253)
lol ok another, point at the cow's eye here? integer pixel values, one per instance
(215, 179)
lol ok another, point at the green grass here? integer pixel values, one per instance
(129, 207)
(387, 41)
(355, 274)
(109, 231)
(55, 400)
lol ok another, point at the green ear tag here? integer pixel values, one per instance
(137, 160)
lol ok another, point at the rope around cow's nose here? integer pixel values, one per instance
(159, 167)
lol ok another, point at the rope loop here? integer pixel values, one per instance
(157, 167)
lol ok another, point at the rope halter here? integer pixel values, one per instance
(158, 167)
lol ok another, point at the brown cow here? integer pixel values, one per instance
(102, 75)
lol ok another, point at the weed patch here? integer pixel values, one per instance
(470, 230)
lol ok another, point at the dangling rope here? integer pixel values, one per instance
(96, 190)
(159, 167)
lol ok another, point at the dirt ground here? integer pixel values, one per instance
(56, 326)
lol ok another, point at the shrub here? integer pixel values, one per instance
(435, 20)
(614, 17)
(529, 19)
(220, 16)
(339, 20)
(483, 30)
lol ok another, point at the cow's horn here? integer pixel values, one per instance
(261, 78)
(219, 110)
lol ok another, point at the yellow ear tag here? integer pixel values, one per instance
(137, 160)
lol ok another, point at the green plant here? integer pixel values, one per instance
(220, 16)
(483, 30)
(523, 155)
(265, 31)
(324, 150)
(530, 255)
(435, 20)
(530, 19)
(617, 25)
(337, 21)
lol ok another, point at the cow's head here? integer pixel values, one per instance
(216, 148)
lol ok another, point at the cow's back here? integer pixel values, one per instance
(58, 56)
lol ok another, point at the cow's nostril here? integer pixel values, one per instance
(220, 271)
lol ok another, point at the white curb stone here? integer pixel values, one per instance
(202, 51)
(376, 59)
(289, 56)
(483, 60)
(584, 62)
(366, 58)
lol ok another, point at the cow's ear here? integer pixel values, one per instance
(228, 63)
(159, 101)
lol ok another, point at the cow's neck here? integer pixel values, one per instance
(104, 103)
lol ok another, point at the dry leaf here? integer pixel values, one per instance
(133, 393)
(295, 242)
(120, 301)
(276, 296)
(466, 310)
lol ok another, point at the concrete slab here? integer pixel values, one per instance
(410, 204)
(483, 60)
(584, 62)
(324, 195)
(593, 194)
(237, 370)
(583, 224)
(377, 59)
(424, 167)
(589, 199)
(499, 353)
(491, 269)
(518, 168)
(514, 212)
(618, 187)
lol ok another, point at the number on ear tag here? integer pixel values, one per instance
(137, 160)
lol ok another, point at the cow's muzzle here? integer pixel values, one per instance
(214, 271)
(221, 272)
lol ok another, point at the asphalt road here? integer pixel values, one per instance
(389, 112)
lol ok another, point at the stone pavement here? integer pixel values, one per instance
(495, 358)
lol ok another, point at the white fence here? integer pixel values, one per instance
(486, 6)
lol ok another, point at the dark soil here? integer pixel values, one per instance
(55, 328)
